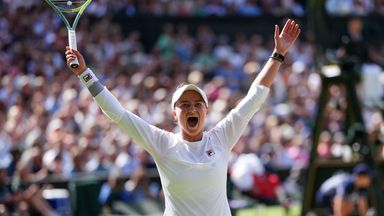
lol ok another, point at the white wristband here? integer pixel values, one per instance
(88, 78)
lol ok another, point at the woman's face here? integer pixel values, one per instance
(190, 112)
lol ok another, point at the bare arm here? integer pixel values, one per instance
(337, 206)
(341, 206)
(362, 206)
(283, 41)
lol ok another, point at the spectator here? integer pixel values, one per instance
(250, 176)
(342, 192)
(135, 190)
(22, 201)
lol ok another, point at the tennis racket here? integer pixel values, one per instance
(65, 7)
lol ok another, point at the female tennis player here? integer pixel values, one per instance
(193, 163)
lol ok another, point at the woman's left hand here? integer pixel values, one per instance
(287, 37)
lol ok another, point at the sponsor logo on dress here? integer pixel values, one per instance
(210, 153)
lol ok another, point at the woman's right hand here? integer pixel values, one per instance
(70, 55)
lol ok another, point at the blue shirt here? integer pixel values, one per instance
(342, 184)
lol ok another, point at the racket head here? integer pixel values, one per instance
(61, 7)
(69, 6)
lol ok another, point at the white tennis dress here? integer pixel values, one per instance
(193, 174)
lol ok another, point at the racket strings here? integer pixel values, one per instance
(66, 1)
(68, 4)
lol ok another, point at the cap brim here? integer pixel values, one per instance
(189, 87)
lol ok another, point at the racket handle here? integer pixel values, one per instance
(73, 45)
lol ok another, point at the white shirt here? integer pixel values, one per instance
(193, 174)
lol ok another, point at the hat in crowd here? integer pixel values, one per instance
(361, 169)
(188, 87)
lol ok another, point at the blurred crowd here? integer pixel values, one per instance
(189, 8)
(219, 7)
(50, 125)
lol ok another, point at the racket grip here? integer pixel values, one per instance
(73, 45)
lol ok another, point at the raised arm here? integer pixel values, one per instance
(235, 123)
(283, 41)
(147, 136)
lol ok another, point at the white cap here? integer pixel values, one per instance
(188, 87)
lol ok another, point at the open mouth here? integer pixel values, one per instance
(192, 121)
